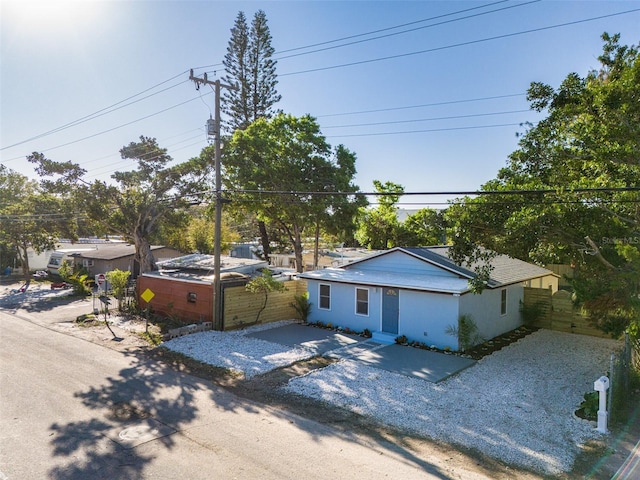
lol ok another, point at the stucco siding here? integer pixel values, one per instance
(485, 310)
(424, 317)
(548, 281)
(342, 311)
(400, 262)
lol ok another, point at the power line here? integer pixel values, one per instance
(388, 28)
(99, 113)
(113, 128)
(454, 117)
(415, 29)
(372, 32)
(461, 44)
(543, 191)
(423, 105)
(489, 193)
(407, 132)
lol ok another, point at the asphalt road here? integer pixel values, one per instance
(71, 409)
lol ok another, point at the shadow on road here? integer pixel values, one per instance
(156, 401)
(146, 401)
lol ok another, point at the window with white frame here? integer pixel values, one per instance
(503, 302)
(324, 296)
(362, 301)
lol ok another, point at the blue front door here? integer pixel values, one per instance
(390, 308)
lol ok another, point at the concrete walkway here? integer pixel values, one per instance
(412, 362)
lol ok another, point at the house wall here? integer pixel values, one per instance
(240, 307)
(343, 306)
(484, 309)
(103, 266)
(37, 261)
(124, 263)
(419, 312)
(551, 282)
(565, 272)
(171, 298)
(425, 316)
(400, 262)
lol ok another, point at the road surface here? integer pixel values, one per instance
(71, 409)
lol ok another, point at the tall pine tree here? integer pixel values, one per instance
(250, 68)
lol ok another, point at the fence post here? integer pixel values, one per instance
(612, 384)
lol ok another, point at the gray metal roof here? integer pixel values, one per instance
(430, 283)
(111, 251)
(506, 271)
(200, 261)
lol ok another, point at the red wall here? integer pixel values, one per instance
(171, 298)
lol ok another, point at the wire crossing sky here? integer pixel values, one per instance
(428, 94)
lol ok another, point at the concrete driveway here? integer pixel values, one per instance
(412, 362)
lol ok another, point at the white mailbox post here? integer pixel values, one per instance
(602, 385)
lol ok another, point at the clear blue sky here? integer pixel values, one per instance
(432, 101)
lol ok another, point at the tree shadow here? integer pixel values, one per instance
(147, 393)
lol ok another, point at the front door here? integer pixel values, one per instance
(390, 309)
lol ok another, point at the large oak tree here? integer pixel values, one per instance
(285, 172)
(570, 191)
(139, 201)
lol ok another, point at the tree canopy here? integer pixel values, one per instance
(251, 72)
(283, 171)
(141, 200)
(31, 216)
(571, 189)
(380, 228)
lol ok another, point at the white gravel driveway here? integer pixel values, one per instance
(515, 405)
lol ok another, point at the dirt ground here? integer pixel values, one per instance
(598, 461)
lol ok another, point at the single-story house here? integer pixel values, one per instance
(421, 293)
(183, 287)
(106, 257)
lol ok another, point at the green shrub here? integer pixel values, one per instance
(302, 306)
(590, 405)
(466, 331)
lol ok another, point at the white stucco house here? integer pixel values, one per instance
(419, 293)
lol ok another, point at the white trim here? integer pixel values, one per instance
(320, 297)
(503, 293)
(368, 302)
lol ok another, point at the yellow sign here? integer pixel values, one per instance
(147, 295)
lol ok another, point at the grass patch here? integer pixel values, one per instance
(152, 338)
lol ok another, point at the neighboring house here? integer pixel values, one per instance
(183, 287)
(421, 293)
(121, 256)
(326, 258)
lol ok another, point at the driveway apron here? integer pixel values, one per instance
(408, 361)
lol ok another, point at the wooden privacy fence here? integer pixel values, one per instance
(557, 312)
(240, 307)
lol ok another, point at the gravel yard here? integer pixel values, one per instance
(235, 351)
(515, 405)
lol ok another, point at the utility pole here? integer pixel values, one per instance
(217, 290)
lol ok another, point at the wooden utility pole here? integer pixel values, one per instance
(217, 290)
